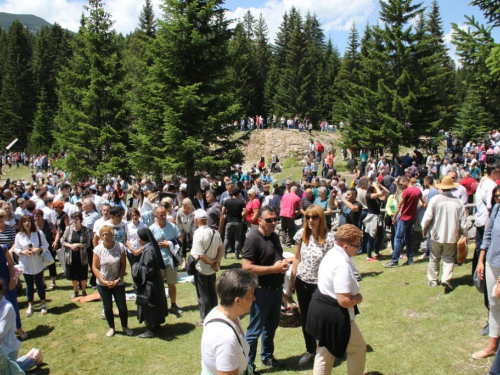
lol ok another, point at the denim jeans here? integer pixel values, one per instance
(24, 362)
(107, 300)
(404, 231)
(373, 244)
(495, 367)
(31, 280)
(233, 235)
(264, 318)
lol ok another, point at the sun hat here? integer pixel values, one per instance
(200, 214)
(447, 183)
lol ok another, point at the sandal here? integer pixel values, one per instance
(23, 336)
(29, 312)
(74, 295)
(44, 310)
(482, 355)
(36, 354)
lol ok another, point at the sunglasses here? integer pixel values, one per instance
(312, 217)
(2, 216)
(357, 246)
(496, 196)
(271, 220)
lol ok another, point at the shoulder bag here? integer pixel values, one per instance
(48, 259)
(191, 263)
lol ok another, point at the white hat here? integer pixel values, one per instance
(200, 214)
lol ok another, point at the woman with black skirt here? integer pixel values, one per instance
(76, 240)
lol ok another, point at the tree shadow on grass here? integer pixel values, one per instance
(172, 331)
(39, 331)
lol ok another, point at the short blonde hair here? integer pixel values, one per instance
(251, 192)
(106, 229)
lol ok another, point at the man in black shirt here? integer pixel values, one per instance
(350, 209)
(263, 256)
(234, 209)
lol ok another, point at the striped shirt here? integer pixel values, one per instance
(8, 236)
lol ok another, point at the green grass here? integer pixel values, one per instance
(16, 174)
(410, 328)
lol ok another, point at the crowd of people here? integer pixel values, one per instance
(95, 229)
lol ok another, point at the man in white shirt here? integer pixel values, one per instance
(445, 168)
(48, 212)
(99, 222)
(484, 192)
(460, 191)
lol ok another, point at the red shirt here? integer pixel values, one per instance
(470, 184)
(252, 205)
(290, 202)
(411, 196)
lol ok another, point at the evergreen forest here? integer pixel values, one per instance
(160, 99)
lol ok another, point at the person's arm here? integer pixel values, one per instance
(295, 265)
(346, 300)
(12, 273)
(427, 219)
(332, 202)
(66, 221)
(255, 214)
(278, 267)
(96, 239)
(222, 219)
(123, 267)
(398, 208)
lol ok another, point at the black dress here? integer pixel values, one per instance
(76, 270)
(147, 269)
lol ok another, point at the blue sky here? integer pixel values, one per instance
(336, 16)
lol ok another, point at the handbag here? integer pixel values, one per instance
(462, 249)
(191, 263)
(47, 257)
(478, 283)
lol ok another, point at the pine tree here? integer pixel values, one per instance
(243, 71)
(184, 126)
(41, 139)
(147, 22)
(17, 99)
(91, 125)
(347, 75)
(473, 120)
(324, 94)
(262, 56)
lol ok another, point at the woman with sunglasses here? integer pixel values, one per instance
(311, 244)
(29, 245)
(7, 273)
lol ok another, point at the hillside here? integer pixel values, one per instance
(286, 143)
(33, 23)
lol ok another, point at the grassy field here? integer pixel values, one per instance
(410, 328)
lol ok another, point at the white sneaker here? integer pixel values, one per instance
(306, 357)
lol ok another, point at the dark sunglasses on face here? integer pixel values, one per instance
(312, 217)
(271, 220)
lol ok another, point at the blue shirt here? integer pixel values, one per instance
(168, 233)
(324, 205)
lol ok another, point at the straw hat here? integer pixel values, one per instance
(447, 183)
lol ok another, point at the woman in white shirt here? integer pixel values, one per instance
(29, 246)
(333, 308)
(134, 248)
(224, 349)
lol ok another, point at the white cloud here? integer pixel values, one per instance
(67, 13)
(332, 14)
(452, 49)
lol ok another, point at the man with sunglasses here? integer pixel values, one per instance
(263, 256)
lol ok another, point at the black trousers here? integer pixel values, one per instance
(288, 226)
(304, 294)
(206, 293)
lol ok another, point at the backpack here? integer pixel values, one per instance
(320, 147)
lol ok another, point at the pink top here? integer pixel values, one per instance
(289, 203)
(252, 205)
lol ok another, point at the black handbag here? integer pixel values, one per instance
(191, 263)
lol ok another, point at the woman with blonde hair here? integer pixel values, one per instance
(185, 223)
(311, 244)
(168, 203)
(109, 265)
(9, 218)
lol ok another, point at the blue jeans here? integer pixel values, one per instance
(495, 367)
(107, 300)
(373, 244)
(404, 231)
(233, 235)
(24, 362)
(264, 318)
(31, 280)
